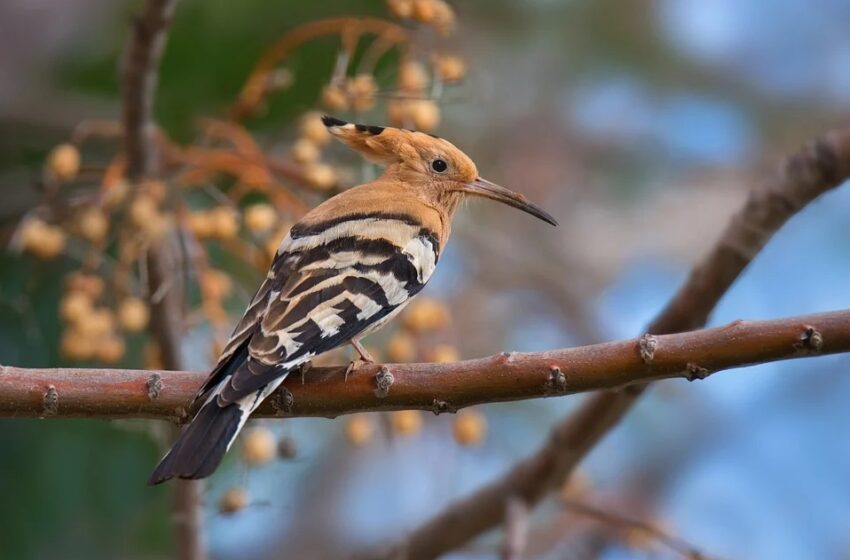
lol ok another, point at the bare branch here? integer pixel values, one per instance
(439, 387)
(820, 166)
(138, 84)
(677, 545)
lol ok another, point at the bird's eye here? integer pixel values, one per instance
(439, 165)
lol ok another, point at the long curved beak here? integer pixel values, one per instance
(483, 187)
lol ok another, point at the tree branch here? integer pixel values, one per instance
(820, 166)
(139, 77)
(110, 393)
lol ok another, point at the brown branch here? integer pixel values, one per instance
(138, 84)
(439, 387)
(255, 87)
(820, 166)
(139, 78)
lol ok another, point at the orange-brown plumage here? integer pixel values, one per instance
(345, 269)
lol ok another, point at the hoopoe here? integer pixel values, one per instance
(346, 268)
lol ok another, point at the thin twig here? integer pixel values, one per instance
(675, 544)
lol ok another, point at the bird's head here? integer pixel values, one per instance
(434, 167)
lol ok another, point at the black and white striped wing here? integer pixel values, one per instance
(337, 286)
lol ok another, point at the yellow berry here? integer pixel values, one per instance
(334, 98)
(43, 240)
(110, 349)
(362, 89)
(143, 210)
(233, 501)
(397, 113)
(76, 345)
(412, 76)
(100, 322)
(451, 68)
(359, 429)
(225, 222)
(259, 446)
(200, 224)
(443, 18)
(260, 218)
(89, 284)
(320, 176)
(215, 285)
(305, 151)
(401, 347)
(313, 129)
(426, 315)
(75, 306)
(94, 225)
(443, 353)
(423, 10)
(402, 9)
(406, 422)
(425, 114)
(115, 193)
(133, 314)
(157, 227)
(470, 427)
(63, 162)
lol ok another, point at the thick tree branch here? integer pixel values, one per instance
(820, 166)
(693, 355)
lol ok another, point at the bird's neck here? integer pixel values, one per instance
(441, 200)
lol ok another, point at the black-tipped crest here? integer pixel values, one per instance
(329, 121)
(371, 129)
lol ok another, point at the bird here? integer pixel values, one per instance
(345, 269)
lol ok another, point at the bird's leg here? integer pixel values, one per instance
(365, 357)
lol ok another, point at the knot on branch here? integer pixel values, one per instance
(506, 357)
(283, 401)
(439, 407)
(557, 382)
(154, 386)
(181, 416)
(811, 341)
(50, 401)
(384, 380)
(694, 372)
(646, 346)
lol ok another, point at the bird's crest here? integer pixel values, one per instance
(386, 145)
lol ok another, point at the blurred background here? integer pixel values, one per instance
(639, 125)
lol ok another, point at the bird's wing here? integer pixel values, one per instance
(330, 282)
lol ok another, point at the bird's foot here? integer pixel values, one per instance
(357, 363)
(365, 357)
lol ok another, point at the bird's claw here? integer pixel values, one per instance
(356, 363)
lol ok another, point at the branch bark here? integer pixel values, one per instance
(109, 393)
(818, 167)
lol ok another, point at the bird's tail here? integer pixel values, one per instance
(202, 444)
